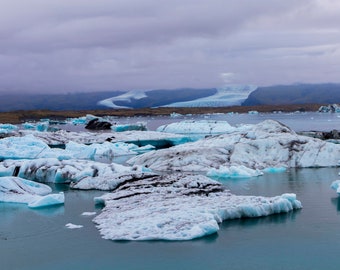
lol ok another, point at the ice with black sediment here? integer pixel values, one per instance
(178, 207)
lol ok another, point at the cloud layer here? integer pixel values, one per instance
(85, 45)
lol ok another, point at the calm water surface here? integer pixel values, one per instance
(304, 239)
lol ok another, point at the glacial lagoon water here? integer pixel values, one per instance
(305, 239)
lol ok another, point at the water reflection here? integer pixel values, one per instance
(276, 219)
(336, 203)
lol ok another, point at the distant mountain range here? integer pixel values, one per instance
(185, 97)
(326, 93)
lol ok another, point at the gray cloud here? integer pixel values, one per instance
(84, 45)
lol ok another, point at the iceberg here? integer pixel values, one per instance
(73, 226)
(35, 195)
(203, 127)
(336, 186)
(178, 207)
(7, 130)
(21, 147)
(108, 183)
(31, 147)
(139, 138)
(128, 127)
(48, 200)
(52, 170)
(41, 126)
(268, 144)
(233, 172)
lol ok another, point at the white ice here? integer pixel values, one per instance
(8, 129)
(89, 213)
(73, 226)
(62, 137)
(179, 207)
(336, 186)
(35, 195)
(204, 127)
(31, 147)
(226, 96)
(233, 172)
(64, 171)
(268, 144)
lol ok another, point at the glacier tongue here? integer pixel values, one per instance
(178, 207)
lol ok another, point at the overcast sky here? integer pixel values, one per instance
(87, 45)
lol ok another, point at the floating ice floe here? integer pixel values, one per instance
(89, 213)
(139, 138)
(233, 172)
(35, 195)
(336, 186)
(7, 130)
(30, 147)
(268, 144)
(128, 127)
(73, 226)
(64, 171)
(109, 182)
(39, 126)
(202, 127)
(178, 207)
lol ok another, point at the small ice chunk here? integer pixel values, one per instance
(48, 200)
(336, 186)
(73, 226)
(89, 213)
(275, 169)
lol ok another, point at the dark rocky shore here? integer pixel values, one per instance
(16, 117)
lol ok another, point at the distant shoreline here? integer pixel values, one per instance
(17, 117)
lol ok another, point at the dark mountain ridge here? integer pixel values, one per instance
(325, 93)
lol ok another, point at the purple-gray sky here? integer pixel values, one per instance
(86, 45)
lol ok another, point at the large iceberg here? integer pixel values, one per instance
(178, 207)
(63, 171)
(140, 138)
(268, 144)
(36, 195)
(30, 147)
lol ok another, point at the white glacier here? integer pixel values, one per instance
(35, 195)
(128, 97)
(226, 96)
(178, 207)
